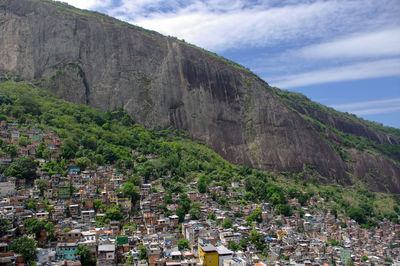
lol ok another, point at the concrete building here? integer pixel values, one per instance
(7, 187)
(208, 255)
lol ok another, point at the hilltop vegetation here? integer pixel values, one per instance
(330, 122)
(91, 138)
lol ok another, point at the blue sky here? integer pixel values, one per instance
(341, 53)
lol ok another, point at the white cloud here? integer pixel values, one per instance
(221, 24)
(339, 50)
(358, 105)
(381, 43)
(376, 111)
(382, 106)
(364, 70)
(218, 31)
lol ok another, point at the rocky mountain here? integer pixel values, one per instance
(90, 58)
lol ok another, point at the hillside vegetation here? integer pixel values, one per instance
(364, 135)
(91, 138)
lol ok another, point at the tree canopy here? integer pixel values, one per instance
(26, 247)
(4, 225)
(131, 191)
(85, 256)
(227, 223)
(23, 168)
(183, 243)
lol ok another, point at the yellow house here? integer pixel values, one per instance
(208, 255)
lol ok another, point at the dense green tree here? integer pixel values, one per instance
(180, 212)
(194, 211)
(202, 184)
(185, 202)
(42, 186)
(69, 148)
(99, 159)
(26, 247)
(213, 196)
(11, 149)
(145, 169)
(284, 209)
(334, 242)
(23, 141)
(265, 252)
(82, 163)
(129, 164)
(89, 142)
(35, 226)
(243, 244)
(227, 223)
(277, 198)
(142, 252)
(202, 187)
(31, 205)
(114, 214)
(131, 191)
(23, 168)
(173, 187)
(222, 201)
(250, 196)
(396, 209)
(302, 198)
(98, 205)
(109, 155)
(127, 120)
(292, 192)
(357, 214)
(233, 246)
(29, 104)
(255, 216)
(52, 168)
(257, 239)
(50, 230)
(85, 256)
(4, 226)
(167, 199)
(183, 243)
(129, 260)
(211, 216)
(5, 99)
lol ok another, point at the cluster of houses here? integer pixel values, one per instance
(147, 236)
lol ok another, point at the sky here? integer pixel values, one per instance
(342, 53)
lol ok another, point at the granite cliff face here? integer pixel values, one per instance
(89, 58)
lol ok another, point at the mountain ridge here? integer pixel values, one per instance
(90, 58)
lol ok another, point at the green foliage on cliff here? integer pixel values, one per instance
(318, 115)
(92, 138)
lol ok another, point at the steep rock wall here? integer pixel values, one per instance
(93, 59)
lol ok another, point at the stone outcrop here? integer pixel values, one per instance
(89, 58)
